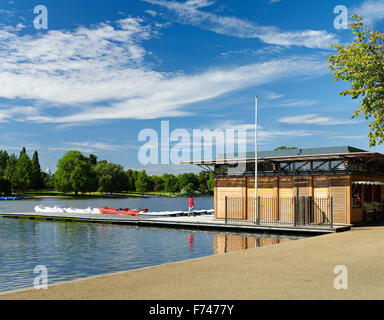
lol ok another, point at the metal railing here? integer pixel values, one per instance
(293, 211)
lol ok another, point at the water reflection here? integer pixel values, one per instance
(190, 240)
(72, 250)
(224, 243)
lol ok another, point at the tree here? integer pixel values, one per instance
(10, 171)
(171, 183)
(361, 63)
(188, 182)
(111, 177)
(74, 173)
(48, 181)
(203, 179)
(23, 171)
(142, 182)
(285, 148)
(211, 182)
(158, 183)
(92, 159)
(131, 182)
(3, 162)
(5, 186)
(36, 174)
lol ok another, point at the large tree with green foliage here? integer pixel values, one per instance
(111, 177)
(74, 173)
(171, 183)
(3, 161)
(23, 171)
(361, 63)
(36, 174)
(10, 171)
(132, 177)
(142, 182)
(188, 181)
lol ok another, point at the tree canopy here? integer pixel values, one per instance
(111, 177)
(80, 174)
(74, 173)
(361, 63)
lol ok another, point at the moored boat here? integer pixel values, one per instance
(124, 211)
(54, 209)
(10, 198)
(87, 210)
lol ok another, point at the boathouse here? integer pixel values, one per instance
(334, 185)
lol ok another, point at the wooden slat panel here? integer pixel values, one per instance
(339, 195)
(285, 204)
(233, 193)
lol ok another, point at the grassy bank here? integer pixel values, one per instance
(58, 194)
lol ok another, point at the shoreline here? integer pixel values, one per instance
(302, 269)
(104, 196)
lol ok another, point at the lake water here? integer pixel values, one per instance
(72, 250)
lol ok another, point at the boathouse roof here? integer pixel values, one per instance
(293, 154)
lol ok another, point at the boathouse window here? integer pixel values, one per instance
(303, 166)
(320, 165)
(285, 166)
(267, 166)
(337, 165)
(250, 167)
(363, 167)
(356, 195)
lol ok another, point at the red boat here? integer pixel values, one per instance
(125, 211)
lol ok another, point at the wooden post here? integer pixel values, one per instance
(331, 212)
(303, 210)
(256, 138)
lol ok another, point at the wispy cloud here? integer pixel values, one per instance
(371, 11)
(188, 13)
(295, 103)
(100, 72)
(314, 119)
(264, 135)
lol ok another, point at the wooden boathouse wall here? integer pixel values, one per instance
(322, 186)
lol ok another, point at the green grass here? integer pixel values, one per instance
(103, 195)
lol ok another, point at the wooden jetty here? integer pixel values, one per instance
(201, 221)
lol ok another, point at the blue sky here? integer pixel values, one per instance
(104, 70)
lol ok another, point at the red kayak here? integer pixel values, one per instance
(126, 211)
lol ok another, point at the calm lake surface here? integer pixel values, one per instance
(72, 250)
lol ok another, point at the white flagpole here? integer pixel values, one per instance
(256, 138)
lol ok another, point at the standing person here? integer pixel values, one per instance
(190, 206)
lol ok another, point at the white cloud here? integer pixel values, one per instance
(264, 135)
(371, 11)
(188, 13)
(295, 103)
(314, 119)
(151, 12)
(100, 73)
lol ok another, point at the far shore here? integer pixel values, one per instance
(95, 195)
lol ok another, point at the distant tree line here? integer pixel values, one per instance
(80, 174)
(20, 173)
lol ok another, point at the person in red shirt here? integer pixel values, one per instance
(190, 206)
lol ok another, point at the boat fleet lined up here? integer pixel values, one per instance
(118, 211)
(57, 209)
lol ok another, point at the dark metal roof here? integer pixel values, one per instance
(293, 154)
